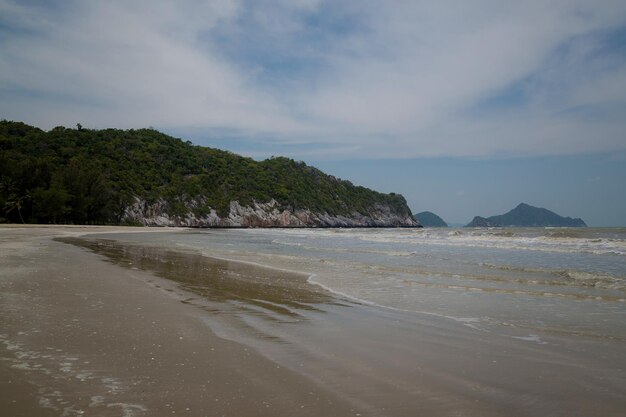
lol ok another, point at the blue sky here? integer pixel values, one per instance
(465, 108)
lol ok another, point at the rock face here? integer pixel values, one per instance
(263, 215)
(525, 215)
(430, 219)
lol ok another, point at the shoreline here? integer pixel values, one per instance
(275, 336)
(80, 335)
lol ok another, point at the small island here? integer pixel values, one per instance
(430, 219)
(525, 215)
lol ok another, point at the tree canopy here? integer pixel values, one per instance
(86, 176)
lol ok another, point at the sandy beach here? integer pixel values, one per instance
(80, 336)
(94, 322)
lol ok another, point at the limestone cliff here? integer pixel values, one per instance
(268, 214)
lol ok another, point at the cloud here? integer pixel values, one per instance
(327, 78)
(125, 64)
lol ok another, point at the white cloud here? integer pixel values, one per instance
(359, 78)
(120, 64)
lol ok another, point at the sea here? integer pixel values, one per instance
(523, 282)
(450, 321)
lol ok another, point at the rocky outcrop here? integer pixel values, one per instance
(268, 214)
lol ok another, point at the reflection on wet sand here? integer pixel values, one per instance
(359, 360)
(249, 286)
(80, 335)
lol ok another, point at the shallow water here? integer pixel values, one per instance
(517, 282)
(470, 321)
(215, 279)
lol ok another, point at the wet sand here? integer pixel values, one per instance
(82, 336)
(98, 326)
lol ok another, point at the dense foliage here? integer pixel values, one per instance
(430, 219)
(86, 176)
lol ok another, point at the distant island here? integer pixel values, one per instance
(144, 177)
(430, 219)
(525, 215)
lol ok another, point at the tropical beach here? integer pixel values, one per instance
(321, 208)
(83, 337)
(134, 321)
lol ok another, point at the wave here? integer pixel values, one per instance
(467, 321)
(407, 284)
(504, 240)
(566, 277)
(344, 250)
(561, 240)
(527, 276)
(565, 233)
(542, 244)
(588, 279)
(527, 280)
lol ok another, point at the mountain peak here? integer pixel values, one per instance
(525, 215)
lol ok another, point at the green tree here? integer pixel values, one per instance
(51, 205)
(14, 199)
(92, 176)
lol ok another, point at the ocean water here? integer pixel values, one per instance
(519, 282)
(474, 322)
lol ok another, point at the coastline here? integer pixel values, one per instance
(107, 304)
(80, 336)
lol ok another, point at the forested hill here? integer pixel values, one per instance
(430, 219)
(111, 176)
(525, 215)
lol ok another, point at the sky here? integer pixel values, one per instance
(465, 108)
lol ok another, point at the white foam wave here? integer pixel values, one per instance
(536, 239)
(581, 278)
(472, 322)
(589, 279)
(323, 248)
(531, 338)
(512, 242)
